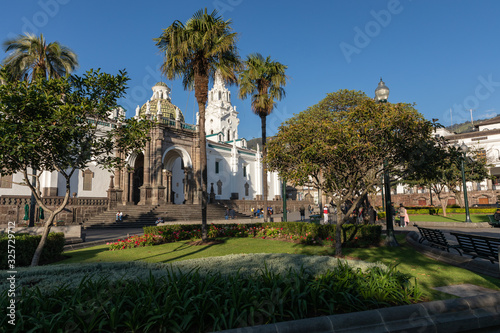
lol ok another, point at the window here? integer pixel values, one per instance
(246, 189)
(6, 181)
(228, 135)
(217, 164)
(244, 171)
(87, 180)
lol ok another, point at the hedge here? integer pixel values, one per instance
(25, 247)
(308, 233)
(437, 211)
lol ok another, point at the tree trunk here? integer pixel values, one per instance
(338, 233)
(442, 201)
(203, 168)
(38, 252)
(48, 224)
(264, 166)
(201, 94)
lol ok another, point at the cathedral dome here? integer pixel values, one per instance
(161, 96)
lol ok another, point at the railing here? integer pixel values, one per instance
(172, 123)
(52, 201)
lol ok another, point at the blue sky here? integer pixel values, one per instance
(442, 55)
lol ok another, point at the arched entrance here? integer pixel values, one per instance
(137, 178)
(179, 180)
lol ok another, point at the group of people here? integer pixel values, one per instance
(230, 213)
(259, 212)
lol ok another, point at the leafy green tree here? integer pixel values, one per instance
(194, 51)
(31, 58)
(51, 125)
(443, 172)
(263, 79)
(340, 144)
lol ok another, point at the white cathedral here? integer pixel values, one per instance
(166, 171)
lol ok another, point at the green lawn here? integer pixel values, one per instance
(450, 218)
(428, 273)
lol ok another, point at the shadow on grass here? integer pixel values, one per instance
(185, 246)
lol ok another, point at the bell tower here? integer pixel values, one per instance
(221, 116)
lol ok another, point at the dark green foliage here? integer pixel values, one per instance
(26, 245)
(191, 302)
(308, 233)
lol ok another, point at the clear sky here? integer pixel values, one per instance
(442, 55)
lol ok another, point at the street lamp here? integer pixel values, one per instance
(285, 217)
(463, 149)
(381, 96)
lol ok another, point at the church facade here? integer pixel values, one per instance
(168, 169)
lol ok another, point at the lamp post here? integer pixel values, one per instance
(463, 149)
(381, 96)
(285, 217)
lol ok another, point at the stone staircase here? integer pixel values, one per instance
(140, 216)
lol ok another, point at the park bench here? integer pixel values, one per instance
(478, 246)
(493, 222)
(436, 238)
(314, 218)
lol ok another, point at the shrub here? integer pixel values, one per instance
(25, 246)
(196, 301)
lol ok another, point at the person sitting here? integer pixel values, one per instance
(496, 216)
(159, 220)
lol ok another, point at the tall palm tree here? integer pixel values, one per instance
(194, 51)
(264, 79)
(32, 58)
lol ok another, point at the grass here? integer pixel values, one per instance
(475, 218)
(428, 273)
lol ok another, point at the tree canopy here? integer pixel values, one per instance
(32, 58)
(340, 144)
(62, 125)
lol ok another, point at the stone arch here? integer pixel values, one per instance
(172, 153)
(179, 185)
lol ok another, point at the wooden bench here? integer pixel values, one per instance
(436, 238)
(478, 246)
(493, 222)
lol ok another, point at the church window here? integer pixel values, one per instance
(244, 171)
(6, 181)
(219, 187)
(217, 166)
(87, 180)
(246, 189)
(211, 131)
(219, 95)
(228, 135)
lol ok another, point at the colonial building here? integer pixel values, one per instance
(168, 169)
(485, 142)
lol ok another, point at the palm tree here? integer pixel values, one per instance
(32, 58)
(264, 80)
(194, 51)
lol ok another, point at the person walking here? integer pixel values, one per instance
(325, 214)
(402, 215)
(302, 211)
